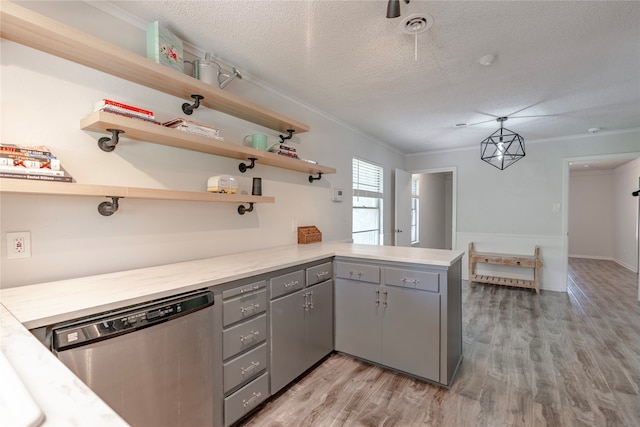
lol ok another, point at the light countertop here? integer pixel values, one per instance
(53, 302)
(60, 395)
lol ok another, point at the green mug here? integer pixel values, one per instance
(258, 141)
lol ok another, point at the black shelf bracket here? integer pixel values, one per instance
(312, 178)
(243, 167)
(188, 108)
(109, 208)
(242, 209)
(109, 144)
(283, 138)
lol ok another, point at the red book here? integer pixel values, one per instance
(119, 105)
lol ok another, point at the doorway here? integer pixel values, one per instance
(436, 207)
(601, 217)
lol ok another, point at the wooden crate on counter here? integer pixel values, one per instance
(309, 234)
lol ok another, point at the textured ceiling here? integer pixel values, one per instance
(562, 66)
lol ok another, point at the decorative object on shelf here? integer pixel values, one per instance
(309, 234)
(109, 208)
(259, 141)
(503, 147)
(125, 110)
(188, 108)
(393, 8)
(205, 69)
(190, 126)
(164, 47)
(313, 178)
(109, 144)
(243, 167)
(31, 162)
(242, 209)
(256, 189)
(222, 184)
(284, 138)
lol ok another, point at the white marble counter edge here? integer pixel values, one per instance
(63, 398)
(53, 302)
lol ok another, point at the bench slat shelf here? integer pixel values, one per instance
(506, 260)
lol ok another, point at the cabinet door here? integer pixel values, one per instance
(288, 339)
(411, 331)
(358, 328)
(319, 321)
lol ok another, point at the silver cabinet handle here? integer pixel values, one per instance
(356, 273)
(290, 284)
(310, 299)
(414, 281)
(249, 289)
(377, 296)
(249, 336)
(250, 368)
(255, 396)
(305, 305)
(386, 296)
(251, 307)
(321, 274)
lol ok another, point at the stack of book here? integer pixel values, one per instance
(196, 128)
(125, 110)
(285, 150)
(36, 163)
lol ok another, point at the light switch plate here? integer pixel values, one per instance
(336, 194)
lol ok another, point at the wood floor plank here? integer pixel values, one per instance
(554, 359)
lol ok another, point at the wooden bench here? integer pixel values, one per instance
(508, 260)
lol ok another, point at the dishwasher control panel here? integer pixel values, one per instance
(127, 320)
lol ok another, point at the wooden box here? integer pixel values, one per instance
(309, 234)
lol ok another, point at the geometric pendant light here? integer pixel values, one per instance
(503, 147)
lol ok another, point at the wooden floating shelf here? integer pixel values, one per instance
(140, 130)
(25, 186)
(34, 30)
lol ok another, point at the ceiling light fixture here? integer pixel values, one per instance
(503, 147)
(393, 8)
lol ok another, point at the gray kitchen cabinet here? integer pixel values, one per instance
(403, 316)
(301, 329)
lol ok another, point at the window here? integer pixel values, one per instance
(367, 203)
(415, 211)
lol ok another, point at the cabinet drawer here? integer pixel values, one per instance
(244, 307)
(244, 290)
(245, 367)
(319, 273)
(243, 336)
(415, 279)
(245, 400)
(287, 283)
(361, 272)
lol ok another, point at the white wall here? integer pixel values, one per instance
(512, 210)
(625, 181)
(43, 100)
(591, 214)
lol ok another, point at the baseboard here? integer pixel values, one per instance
(604, 258)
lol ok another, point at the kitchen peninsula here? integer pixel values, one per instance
(382, 278)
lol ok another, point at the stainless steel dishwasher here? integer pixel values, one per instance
(152, 363)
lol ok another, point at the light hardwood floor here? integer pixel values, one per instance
(550, 360)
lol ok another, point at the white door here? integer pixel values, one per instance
(402, 208)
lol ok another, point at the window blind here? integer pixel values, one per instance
(367, 179)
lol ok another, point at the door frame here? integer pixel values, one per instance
(565, 203)
(454, 197)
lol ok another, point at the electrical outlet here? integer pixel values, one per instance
(19, 245)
